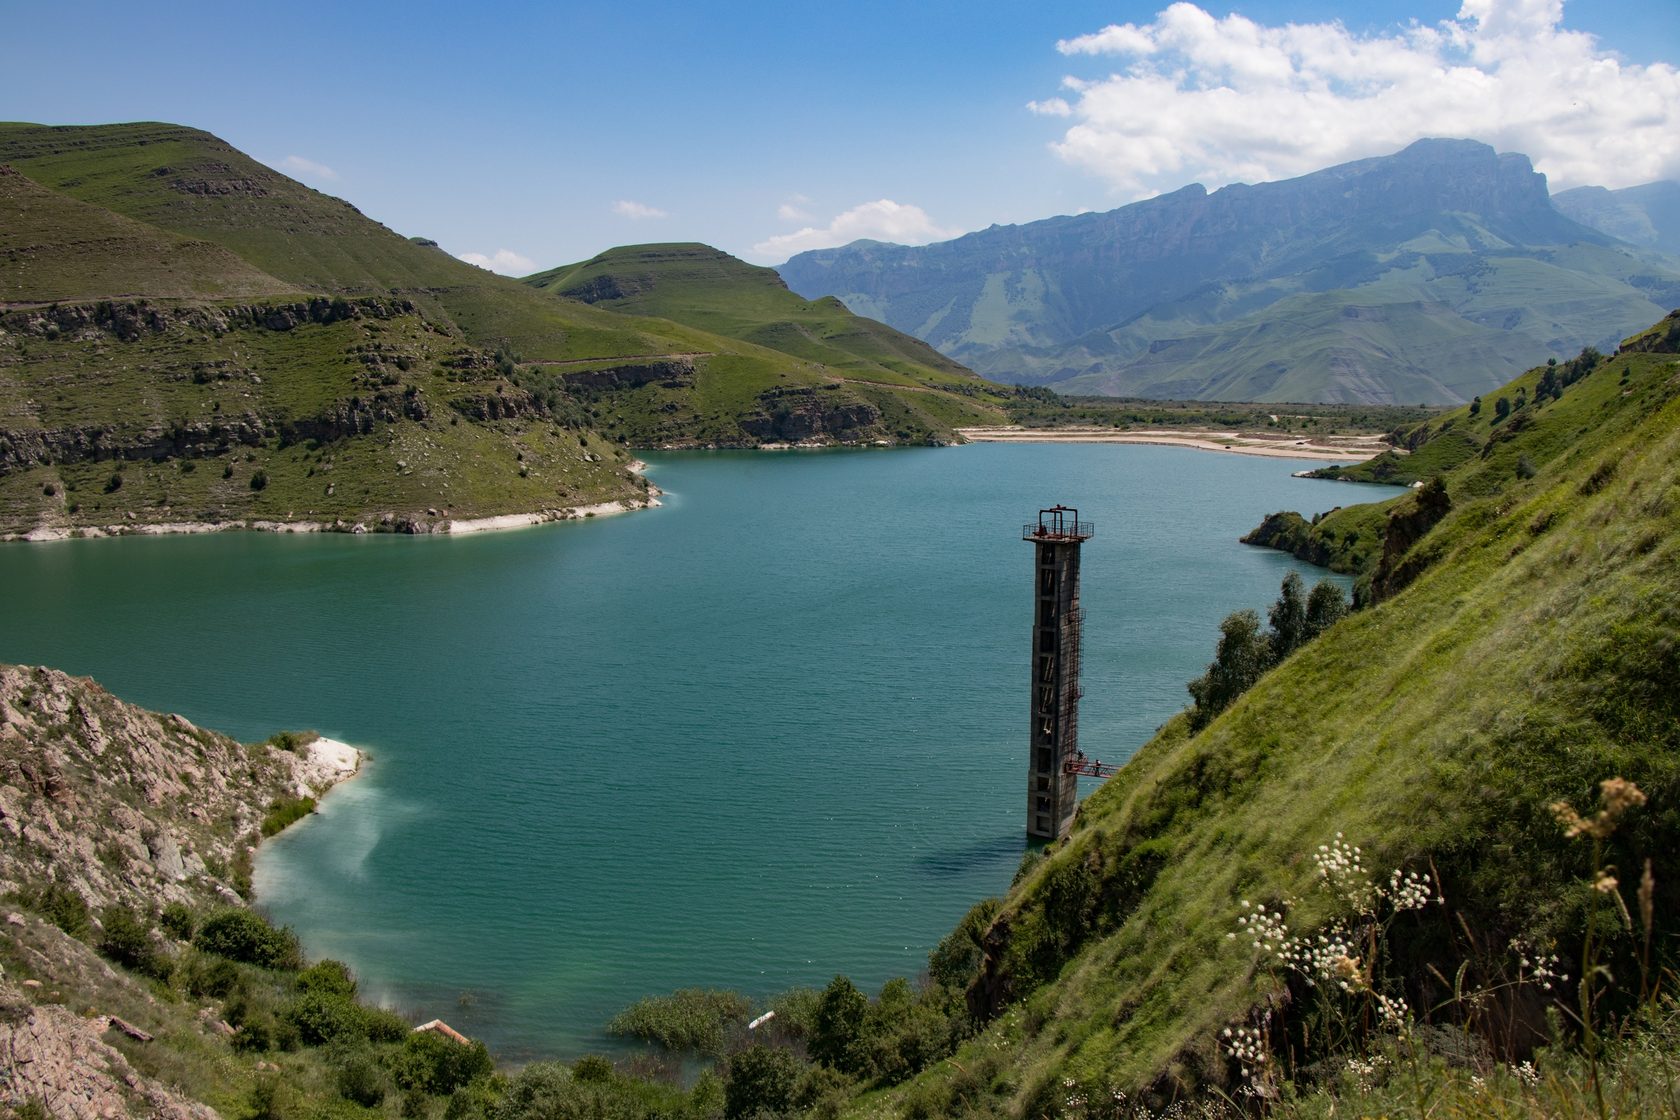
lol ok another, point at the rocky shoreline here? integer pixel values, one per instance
(124, 807)
(427, 524)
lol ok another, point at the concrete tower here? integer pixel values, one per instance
(1053, 757)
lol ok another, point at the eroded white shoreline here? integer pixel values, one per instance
(415, 527)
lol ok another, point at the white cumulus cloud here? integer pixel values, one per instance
(637, 211)
(505, 261)
(308, 168)
(881, 220)
(1051, 107)
(1192, 97)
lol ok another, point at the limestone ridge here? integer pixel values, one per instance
(1397, 278)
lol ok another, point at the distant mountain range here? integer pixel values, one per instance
(1427, 276)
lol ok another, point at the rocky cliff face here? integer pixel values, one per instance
(60, 1060)
(127, 806)
(799, 415)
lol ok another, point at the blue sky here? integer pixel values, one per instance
(548, 132)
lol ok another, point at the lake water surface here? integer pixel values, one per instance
(773, 731)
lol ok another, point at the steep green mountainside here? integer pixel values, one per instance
(1647, 215)
(57, 248)
(195, 185)
(1532, 654)
(1507, 434)
(1429, 275)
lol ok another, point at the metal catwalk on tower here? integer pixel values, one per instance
(1054, 757)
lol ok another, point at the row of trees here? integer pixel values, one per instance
(1245, 651)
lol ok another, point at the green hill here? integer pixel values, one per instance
(845, 367)
(169, 301)
(707, 288)
(58, 248)
(195, 185)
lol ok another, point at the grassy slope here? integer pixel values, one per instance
(1481, 450)
(58, 248)
(1532, 660)
(707, 288)
(195, 185)
(913, 385)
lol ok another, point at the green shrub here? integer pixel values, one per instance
(284, 812)
(762, 1079)
(266, 1100)
(178, 921)
(209, 976)
(292, 741)
(380, 1025)
(839, 1026)
(592, 1067)
(432, 1063)
(329, 977)
(254, 1036)
(244, 936)
(473, 1102)
(360, 1079)
(64, 908)
(125, 939)
(259, 479)
(323, 1017)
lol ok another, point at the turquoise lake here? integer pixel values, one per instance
(771, 732)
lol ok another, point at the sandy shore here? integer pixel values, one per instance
(1337, 449)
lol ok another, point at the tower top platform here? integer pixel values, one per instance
(1058, 525)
